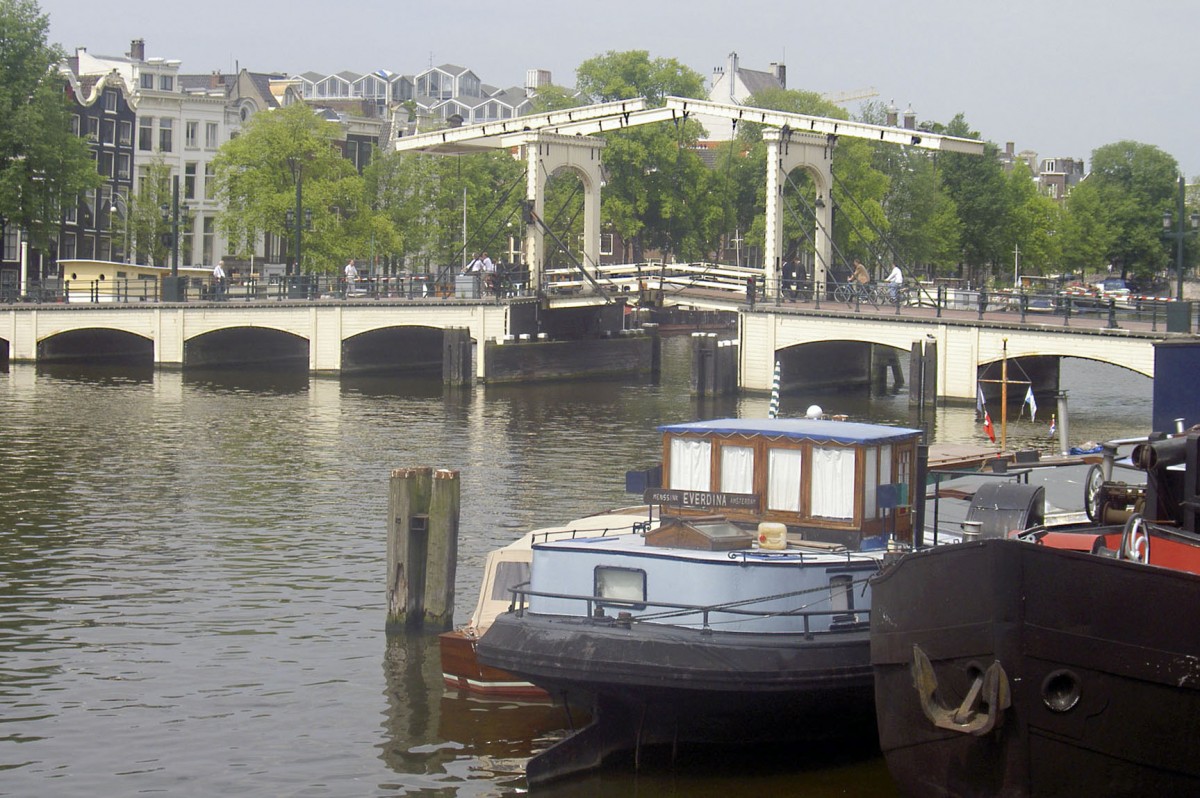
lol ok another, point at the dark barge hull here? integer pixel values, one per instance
(1101, 658)
(650, 684)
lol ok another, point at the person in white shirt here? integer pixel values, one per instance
(218, 279)
(895, 279)
(351, 273)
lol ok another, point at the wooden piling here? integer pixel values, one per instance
(422, 548)
(456, 357)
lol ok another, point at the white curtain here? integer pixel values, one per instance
(783, 479)
(833, 482)
(737, 469)
(691, 464)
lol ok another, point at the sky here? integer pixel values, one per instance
(1058, 77)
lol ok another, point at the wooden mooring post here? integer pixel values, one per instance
(422, 549)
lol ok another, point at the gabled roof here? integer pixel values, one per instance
(756, 80)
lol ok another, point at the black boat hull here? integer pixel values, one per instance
(651, 684)
(1100, 657)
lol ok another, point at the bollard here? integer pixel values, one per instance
(422, 548)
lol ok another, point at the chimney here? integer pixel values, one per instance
(893, 114)
(214, 80)
(137, 50)
(780, 73)
(910, 118)
(1009, 147)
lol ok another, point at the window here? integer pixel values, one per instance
(126, 133)
(66, 247)
(189, 180)
(783, 479)
(841, 599)
(75, 124)
(606, 243)
(209, 228)
(93, 128)
(105, 166)
(110, 101)
(87, 247)
(146, 133)
(191, 135)
(210, 135)
(691, 464)
(147, 80)
(833, 482)
(123, 166)
(165, 128)
(210, 180)
(166, 82)
(623, 586)
(108, 130)
(737, 469)
(71, 212)
(12, 242)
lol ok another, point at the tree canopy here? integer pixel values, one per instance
(44, 167)
(288, 152)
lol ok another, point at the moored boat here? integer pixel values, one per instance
(743, 616)
(1059, 661)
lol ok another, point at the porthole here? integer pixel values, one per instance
(1060, 691)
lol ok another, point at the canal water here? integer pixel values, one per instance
(192, 575)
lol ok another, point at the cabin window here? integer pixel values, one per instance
(691, 464)
(737, 469)
(832, 482)
(626, 586)
(871, 482)
(783, 479)
(841, 598)
(509, 575)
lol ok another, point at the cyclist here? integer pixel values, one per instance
(860, 278)
(894, 280)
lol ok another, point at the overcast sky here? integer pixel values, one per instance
(1059, 77)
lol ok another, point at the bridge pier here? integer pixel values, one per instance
(714, 365)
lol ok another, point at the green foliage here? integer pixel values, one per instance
(423, 195)
(257, 175)
(555, 98)
(43, 166)
(625, 75)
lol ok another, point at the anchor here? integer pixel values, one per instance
(980, 711)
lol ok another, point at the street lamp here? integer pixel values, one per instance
(174, 286)
(291, 219)
(1178, 234)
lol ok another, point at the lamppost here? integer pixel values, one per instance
(120, 205)
(292, 219)
(1178, 234)
(174, 286)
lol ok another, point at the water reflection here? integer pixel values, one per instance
(192, 587)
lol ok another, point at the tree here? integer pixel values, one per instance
(44, 167)
(657, 193)
(1034, 222)
(977, 186)
(1124, 197)
(280, 152)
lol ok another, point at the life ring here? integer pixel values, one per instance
(1135, 540)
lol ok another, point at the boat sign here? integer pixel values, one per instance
(702, 499)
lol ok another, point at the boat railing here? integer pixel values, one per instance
(840, 620)
(576, 533)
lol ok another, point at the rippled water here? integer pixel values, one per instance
(192, 574)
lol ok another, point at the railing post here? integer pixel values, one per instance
(1023, 303)
(1067, 312)
(982, 302)
(1112, 313)
(941, 299)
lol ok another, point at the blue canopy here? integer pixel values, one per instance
(815, 429)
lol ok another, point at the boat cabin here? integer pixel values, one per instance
(826, 480)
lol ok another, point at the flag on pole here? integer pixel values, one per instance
(773, 409)
(987, 426)
(979, 400)
(1029, 400)
(1052, 426)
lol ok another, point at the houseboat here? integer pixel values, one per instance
(742, 616)
(1059, 661)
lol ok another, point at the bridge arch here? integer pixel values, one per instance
(402, 349)
(96, 344)
(833, 366)
(246, 346)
